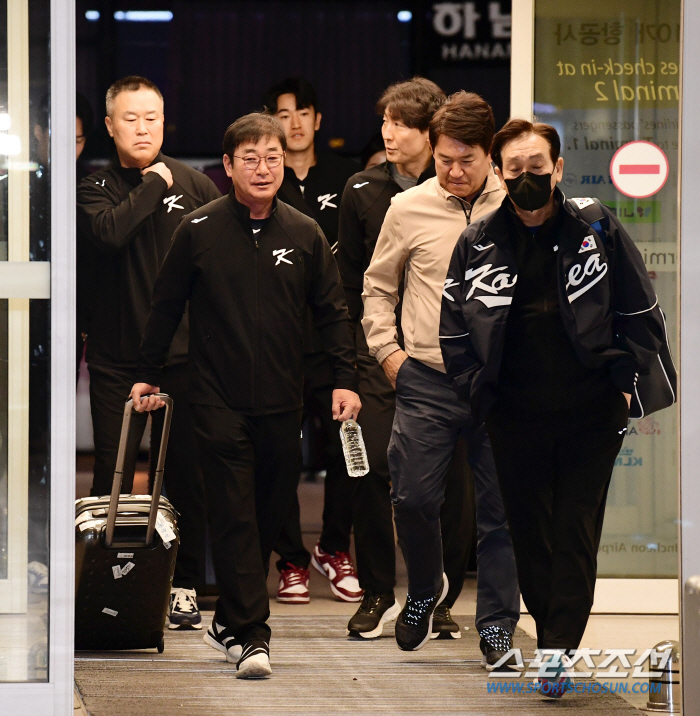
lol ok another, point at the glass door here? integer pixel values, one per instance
(24, 346)
(37, 355)
(606, 75)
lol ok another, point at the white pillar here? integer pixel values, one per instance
(690, 352)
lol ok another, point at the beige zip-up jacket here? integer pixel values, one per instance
(417, 238)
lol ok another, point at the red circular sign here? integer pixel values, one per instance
(639, 169)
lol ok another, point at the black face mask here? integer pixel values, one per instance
(530, 191)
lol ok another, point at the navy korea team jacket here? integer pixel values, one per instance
(607, 303)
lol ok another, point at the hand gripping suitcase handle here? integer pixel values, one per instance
(119, 471)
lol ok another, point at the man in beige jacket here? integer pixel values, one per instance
(416, 242)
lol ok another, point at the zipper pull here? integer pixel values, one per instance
(256, 244)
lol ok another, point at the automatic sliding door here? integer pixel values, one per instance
(24, 341)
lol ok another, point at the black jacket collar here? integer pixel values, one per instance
(567, 230)
(290, 175)
(131, 175)
(241, 211)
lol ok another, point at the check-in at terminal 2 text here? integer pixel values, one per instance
(613, 89)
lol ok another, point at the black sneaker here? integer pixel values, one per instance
(374, 612)
(495, 643)
(220, 638)
(415, 623)
(183, 611)
(255, 660)
(444, 626)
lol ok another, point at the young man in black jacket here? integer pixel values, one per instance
(313, 183)
(407, 108)
(247, 264)
(127, 213)
(545, 326)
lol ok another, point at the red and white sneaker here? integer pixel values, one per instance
(340, 571)
(294, 585)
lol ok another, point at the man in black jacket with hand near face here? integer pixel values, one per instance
(127, 213)
(248, 264)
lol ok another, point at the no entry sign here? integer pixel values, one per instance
(639, 169)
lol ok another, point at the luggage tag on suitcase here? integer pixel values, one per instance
(164, 530)
(120, 571)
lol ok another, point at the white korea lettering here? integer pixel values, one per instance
(499, 282)
(578, 272)
(449, 283)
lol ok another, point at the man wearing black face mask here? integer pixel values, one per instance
(548, 347)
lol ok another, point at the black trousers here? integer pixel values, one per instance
(428, 423)
(554, 470)
(375, 544)
(109, 389)
(337, 505)
(250, 466)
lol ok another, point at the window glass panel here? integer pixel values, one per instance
(607, 73)
(24, 342)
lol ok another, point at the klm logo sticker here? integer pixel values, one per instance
(626, 458)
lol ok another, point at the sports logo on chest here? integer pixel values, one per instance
(492, 281)
(326, 201)
(281, 254)
(171, 202)
(583, 274)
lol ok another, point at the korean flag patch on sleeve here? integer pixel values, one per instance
(588, 244)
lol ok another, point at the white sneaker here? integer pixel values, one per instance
(340, 572)
(255, 660)
(38, 578)
(293, 586)
(222, 640)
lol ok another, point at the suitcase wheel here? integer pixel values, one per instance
(161, 646)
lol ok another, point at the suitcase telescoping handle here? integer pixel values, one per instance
(119, 471)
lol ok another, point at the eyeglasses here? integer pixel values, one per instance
(252, 162)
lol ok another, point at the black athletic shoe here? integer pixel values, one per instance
(183, 611)
(415, 623)
(374, 612)
(495, 643)
(255, 660)
(444, 626)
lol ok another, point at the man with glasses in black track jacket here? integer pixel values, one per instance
(248, 263)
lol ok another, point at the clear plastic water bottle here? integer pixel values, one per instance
(354, 449)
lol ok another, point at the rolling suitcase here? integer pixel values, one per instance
(125, 550)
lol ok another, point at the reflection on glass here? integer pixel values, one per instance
(24, 343)
(607, 73)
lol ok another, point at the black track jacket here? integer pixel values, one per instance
(318, 196)
(607, 303)
(127, 222)
(248, 296)
(366, 199)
